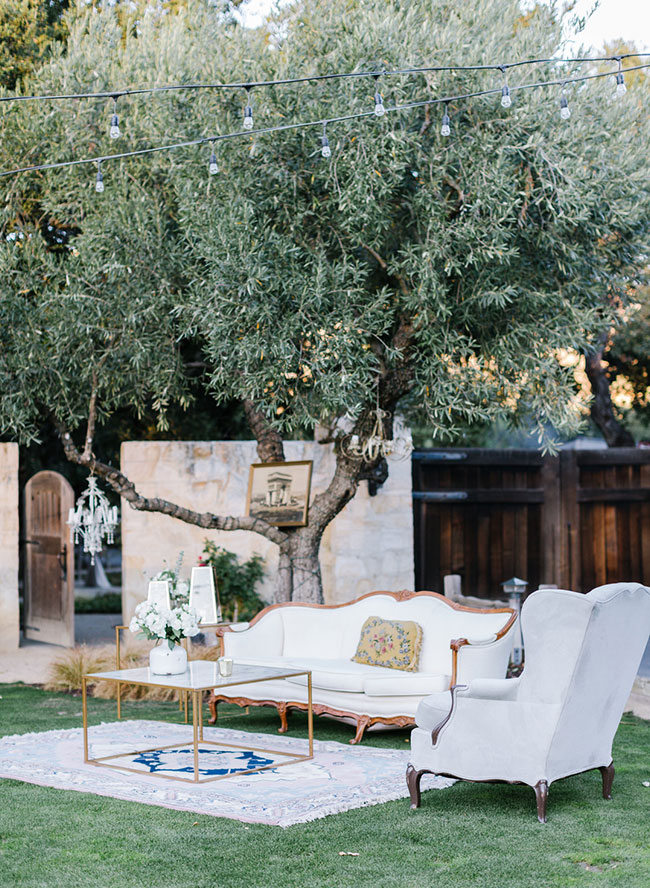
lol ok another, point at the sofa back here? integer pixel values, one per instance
(333, 632)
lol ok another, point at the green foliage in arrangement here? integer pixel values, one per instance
(290, 279)
(236, 581)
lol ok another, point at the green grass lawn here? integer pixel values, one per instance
(469, 835)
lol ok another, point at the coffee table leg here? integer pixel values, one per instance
(195, 726)
(186, 695)
(119, 699)
(84, 710)
(310, 716)
(200, 715)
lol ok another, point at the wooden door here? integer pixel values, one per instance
(49, 560)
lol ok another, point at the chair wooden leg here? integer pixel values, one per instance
(541, 794)
(282, 712)
(362, 724)
(607, 773)
(212, 706)
(413, 778)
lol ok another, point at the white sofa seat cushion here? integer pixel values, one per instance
(404, 685)
(337, 675)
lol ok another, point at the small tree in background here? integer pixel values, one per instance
(434, 275)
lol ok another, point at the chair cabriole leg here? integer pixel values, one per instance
(284, 724)
(607, 773)
(541, 794)
(413, 778)
(212, 706)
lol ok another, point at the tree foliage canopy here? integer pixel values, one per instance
(461, 263)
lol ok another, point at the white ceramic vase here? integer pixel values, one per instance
(163, 661)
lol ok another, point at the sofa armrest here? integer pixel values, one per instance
(263, 638)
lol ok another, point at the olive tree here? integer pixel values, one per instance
(435, 275)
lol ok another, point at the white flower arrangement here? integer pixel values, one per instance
(156, 622)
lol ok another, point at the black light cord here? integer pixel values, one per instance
(249, 84)
(310, 123)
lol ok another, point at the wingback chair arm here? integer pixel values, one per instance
(457, 643)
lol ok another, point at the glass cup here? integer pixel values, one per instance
(225, 666)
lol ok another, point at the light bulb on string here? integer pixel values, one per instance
(99, 181)
(445, 129)
(325, 150)
(114, 131)
(506, 100)
(379, 102)
(620, 81)
(213, 167)
(565, 111)
(248, 112)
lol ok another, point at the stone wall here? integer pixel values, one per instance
(368, 546)
(9, 528)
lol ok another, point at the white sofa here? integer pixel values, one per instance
(459, 644)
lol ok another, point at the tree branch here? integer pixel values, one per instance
(126, 489)
(270, 447)
(602, 410)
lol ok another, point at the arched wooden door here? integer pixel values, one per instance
(49, 560)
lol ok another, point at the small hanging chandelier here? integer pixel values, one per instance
(93, 519)
(376, 445)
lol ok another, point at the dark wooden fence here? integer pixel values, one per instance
(578, 519)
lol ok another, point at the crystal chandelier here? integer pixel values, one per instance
(93, 519)
(376, 445)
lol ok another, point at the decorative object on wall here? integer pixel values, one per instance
(93, 519)
(204, 594)
(278, 492)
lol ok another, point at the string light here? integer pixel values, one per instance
(248, 112)
(99, 181)
(213, 167)
(114, 131)
(325, 150)
(565, 111)
(620, 81)
(506, 101)
(301, 125)
(445, 129)
(380, 110)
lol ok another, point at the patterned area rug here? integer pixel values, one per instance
(339, 777)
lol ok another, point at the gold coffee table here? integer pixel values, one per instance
(200, 676)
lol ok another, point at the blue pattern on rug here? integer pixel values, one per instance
(168, 760)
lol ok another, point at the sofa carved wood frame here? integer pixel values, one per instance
(362, 721)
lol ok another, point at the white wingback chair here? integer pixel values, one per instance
(560, 716)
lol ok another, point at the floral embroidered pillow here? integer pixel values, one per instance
(389, 643)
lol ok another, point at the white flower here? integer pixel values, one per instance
(134, 625)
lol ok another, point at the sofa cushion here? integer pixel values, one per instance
(392, 643)
(402, 685)
(336, 675)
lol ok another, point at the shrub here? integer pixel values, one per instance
(236, 582)
(107, 603)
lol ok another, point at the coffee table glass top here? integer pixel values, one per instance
(200, 675)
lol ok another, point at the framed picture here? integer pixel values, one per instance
(279, 492)
(159, 592)
(203, 594)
